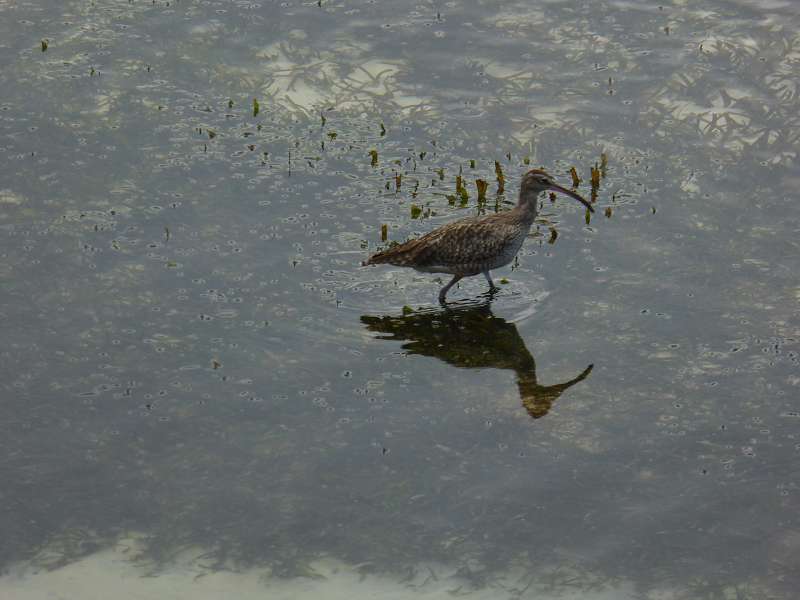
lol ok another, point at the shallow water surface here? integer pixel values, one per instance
(201, 383)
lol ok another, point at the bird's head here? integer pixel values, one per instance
(536, 181)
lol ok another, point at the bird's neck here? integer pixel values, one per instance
(528, 206)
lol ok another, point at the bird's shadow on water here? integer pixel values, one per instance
(470, 336)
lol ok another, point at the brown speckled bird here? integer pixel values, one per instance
(476, 245)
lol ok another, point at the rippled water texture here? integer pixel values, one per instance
(197, 370)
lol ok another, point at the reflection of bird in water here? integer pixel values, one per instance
(473, 338)
(476, 244)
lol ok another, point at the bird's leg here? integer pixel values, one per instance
(445, 289)
(489, 279)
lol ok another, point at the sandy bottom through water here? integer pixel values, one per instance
(112, 574)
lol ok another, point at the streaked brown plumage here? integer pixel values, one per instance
(475, 245)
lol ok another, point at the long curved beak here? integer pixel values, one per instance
(557, 188)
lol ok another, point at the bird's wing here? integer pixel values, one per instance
(469, 240)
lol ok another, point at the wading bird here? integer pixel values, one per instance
(476, 245)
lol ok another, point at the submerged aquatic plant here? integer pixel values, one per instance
(501, 178)
(576, 181)
(481, 186)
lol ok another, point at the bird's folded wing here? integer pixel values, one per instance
(468, 241)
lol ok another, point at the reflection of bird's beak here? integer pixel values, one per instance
(557, 188)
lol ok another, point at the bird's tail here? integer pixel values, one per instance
(402, 255)
(375, 259)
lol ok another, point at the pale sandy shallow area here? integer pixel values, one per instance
(112, 574)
